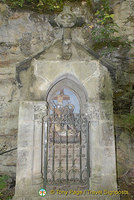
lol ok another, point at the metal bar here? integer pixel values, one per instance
(53, 160)
(67, 153)
(80, 151)
(53, 152)
(60, 146)
(63, 120)
(88, 158)
(73, 159)
(58, 123)
(45, 129)
(60, 158)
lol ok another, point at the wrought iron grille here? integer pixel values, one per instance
(66, 155)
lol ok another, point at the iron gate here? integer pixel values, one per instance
(66, 154)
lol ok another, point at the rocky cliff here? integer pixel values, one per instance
(24, 35)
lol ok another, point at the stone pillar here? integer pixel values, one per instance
(29, 162)
(39, 114)
(25, 149)
(101, 137)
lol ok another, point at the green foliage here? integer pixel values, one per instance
(5, 193)
(3, 179)
(126, 121)
(130, 120)
(104, 30)
(104, 33)
(39, 5)
(51, 4)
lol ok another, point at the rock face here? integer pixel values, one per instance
(22, 36)
(124, 17)
(124, 92)
(26, 35)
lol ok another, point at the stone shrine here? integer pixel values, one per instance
(67, 141)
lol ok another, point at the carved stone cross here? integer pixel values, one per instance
(67, 19)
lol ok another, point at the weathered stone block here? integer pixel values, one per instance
(96, 155)
(106, 110)
(106, 134)
(105, 86)
(7, 73)
(25, 133)
(44, 69)
(108, 162)
(94, 132)
(109, 182)
(92, 87)
(93, 111)
(40, 111)
(26, 112)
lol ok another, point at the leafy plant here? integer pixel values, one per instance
(103, 32)
(40, 5)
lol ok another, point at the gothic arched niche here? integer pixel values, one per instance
(69, 82)
(67, 154)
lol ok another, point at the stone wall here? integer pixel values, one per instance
(24, 35)
(124, 17)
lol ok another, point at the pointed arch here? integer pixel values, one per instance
(72, 83)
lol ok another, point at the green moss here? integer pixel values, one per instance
(3, 180)
(126, 96)
(110, 44)
(126, 121)
(129, 94)
(5, 192)
(90, 4)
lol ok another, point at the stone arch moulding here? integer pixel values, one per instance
(71, 82)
